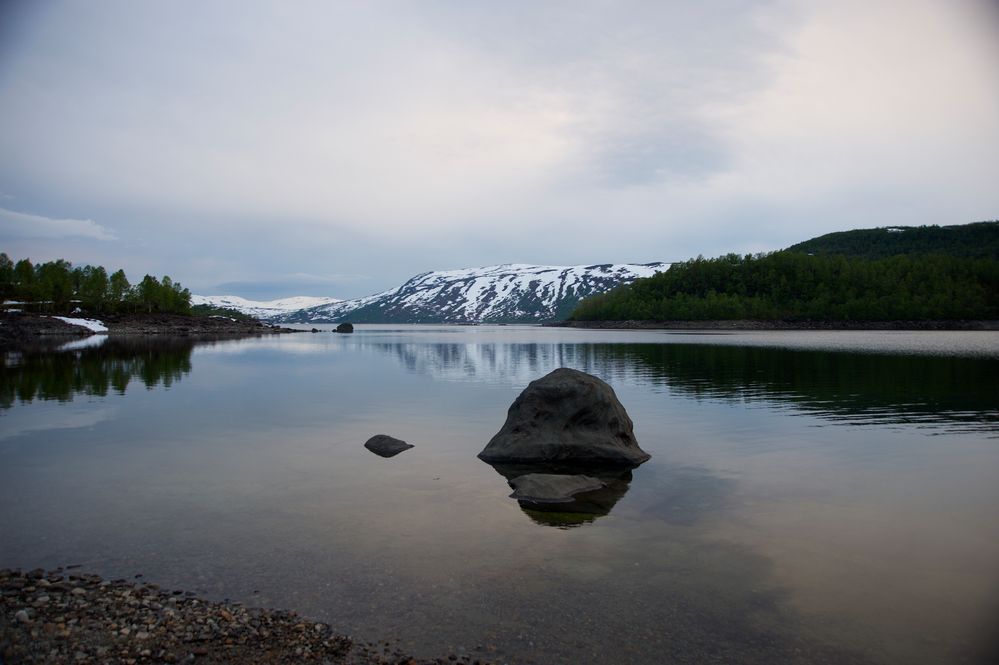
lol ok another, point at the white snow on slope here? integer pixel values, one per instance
(508, 292)
(485, 292)
(93, 325)
(263, 309)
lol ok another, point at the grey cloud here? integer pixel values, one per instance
(240, 144)
(15, 224)
(281, 286)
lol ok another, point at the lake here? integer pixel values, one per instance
(811, 496)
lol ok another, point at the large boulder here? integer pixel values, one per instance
(566, 417)
(345, 328)
(386, 446)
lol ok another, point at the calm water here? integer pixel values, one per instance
(811, 497)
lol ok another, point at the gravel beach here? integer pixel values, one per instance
(64, 616)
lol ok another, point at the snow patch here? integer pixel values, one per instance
(491, 293)
(263, 309)
(93, 325)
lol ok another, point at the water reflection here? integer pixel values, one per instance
(852, 388)
(585, 507)
(252, 475)
(97, 370)
(941, 393)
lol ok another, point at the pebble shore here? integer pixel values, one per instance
(62, 616)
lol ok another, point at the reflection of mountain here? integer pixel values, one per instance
(853, 388)
(514, 364)
(96, 370)
(585, 507)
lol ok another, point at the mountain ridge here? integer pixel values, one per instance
(978, 240)
(505, 293)
(262, 309)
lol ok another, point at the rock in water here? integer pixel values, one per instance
(386, 446)
(552, 487)
(345, 328)
(570, 417)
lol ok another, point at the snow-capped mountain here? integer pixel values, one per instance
(263, 309)
(510, 293)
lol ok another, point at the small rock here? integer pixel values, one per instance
(386, 446)
(22, 616)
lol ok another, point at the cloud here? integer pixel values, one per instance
(325, 138)
(276, 286)
(23, 225)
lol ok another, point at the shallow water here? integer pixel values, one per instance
(811, 497)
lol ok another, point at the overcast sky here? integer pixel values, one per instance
(338, 148)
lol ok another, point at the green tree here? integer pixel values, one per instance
(55, 285)
(148, 293)
(118, 290)
(94, 289)
(24, 281)
(6, 277)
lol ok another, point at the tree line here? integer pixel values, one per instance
(796, 286)
(973, 241)
(59, 287)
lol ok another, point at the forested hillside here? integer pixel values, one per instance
(57, 287)
(978, 241)
(791, 285)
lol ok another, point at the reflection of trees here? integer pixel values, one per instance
(837, 385)
(853, 387)
(61, 375)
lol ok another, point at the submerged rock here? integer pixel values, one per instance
(552, 488)
(345, 328)
(386, 446)
(567, 416)
(583, 506)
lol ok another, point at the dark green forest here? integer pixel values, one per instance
(973, 241)
(59, 287)
(796, 286)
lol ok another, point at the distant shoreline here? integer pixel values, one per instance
(748, 324)
(18, 328)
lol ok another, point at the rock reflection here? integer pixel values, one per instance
(582, 508)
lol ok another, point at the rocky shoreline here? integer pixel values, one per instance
(21, 328)
(748, 324)
(63, 616)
